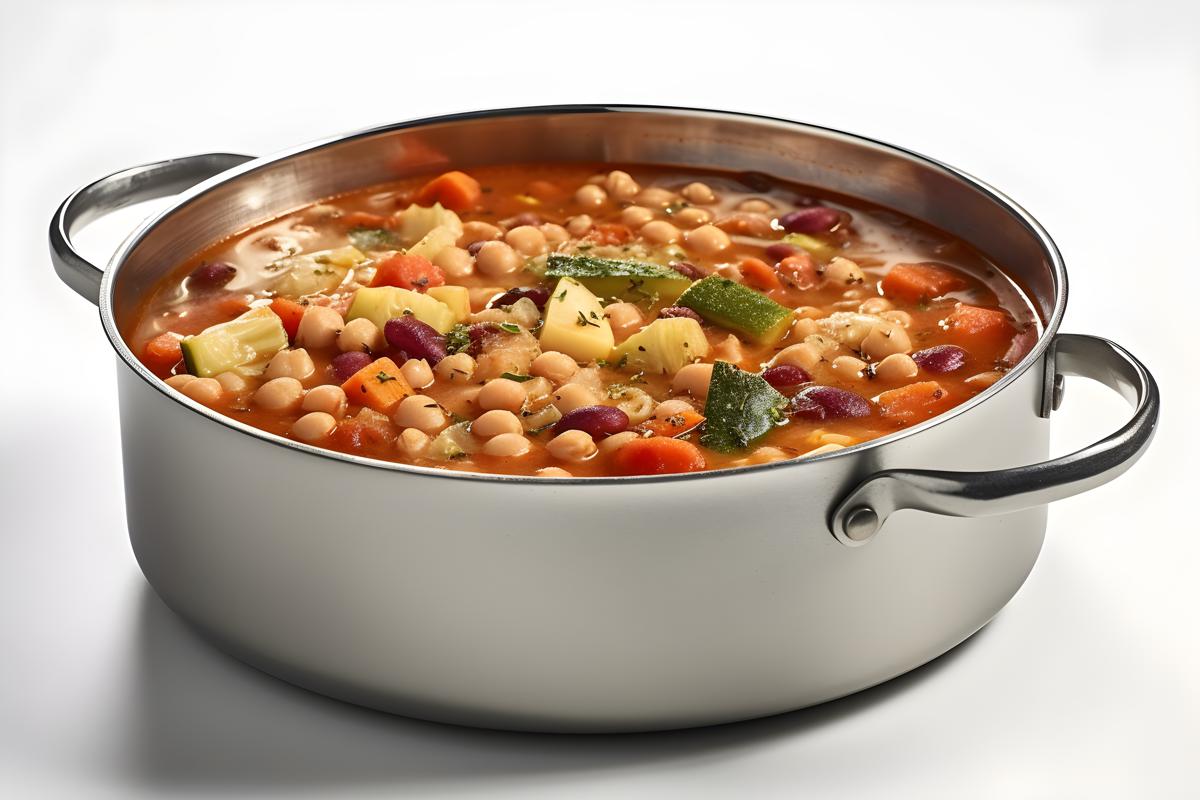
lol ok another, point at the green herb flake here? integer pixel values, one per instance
(512, 376)
(383, 377)
(510, 327)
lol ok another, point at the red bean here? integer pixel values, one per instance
(474, 247)
(596, 421)
(940, 358)
(211, 275)
(671, 312)
(687, 270)
(415, 338)
(346, 364)
(834, 403)
(813, 219)
(524, 218)
(780, 250)
(538, 294)
(784, 375)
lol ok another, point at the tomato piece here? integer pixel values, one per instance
(760, 274)
(609, 233)
(658, 455)
(290, 313)
(409, 272)
(799, 271)
(455, 190)
(919, 282)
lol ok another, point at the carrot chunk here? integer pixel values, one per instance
(673, 425)
(379, 385)
(760, 274)
(409, 272)
(915, 402)
(610, 233)
(290, 312)
(979, 327)
(917, 282)
(455, 190)
(162, 352)
(658, 455)
(799, 271)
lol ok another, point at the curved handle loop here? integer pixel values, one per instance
(971, 494)
(116, 191)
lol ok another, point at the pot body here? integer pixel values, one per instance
(588, 605)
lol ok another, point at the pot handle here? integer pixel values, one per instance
(972, 494)
(116, 191)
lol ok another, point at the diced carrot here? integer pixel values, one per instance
(658, 455)
(609, 233)
(365, 429)
(915, 402)
(379, 385)
(408, 272)
(455, 190)
(760, 274)
(799, 271)
(290, 312)
(162, 352)
(979, 327)
(918, 282)
(363, 219)
(673, 425)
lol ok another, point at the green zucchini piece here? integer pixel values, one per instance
(633, 281)
(242, 345)
(738, 308)
(822, 250)
(741, 408)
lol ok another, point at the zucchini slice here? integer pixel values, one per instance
(741, 408)
(633, 281)
(738, 308)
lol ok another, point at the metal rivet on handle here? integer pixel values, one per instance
(860, 523)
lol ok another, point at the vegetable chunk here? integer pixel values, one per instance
(738, 308)
(741, 408)
(379, 385)
(575, 323)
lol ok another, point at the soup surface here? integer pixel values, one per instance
(572, 320)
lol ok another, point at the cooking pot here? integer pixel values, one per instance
(596, 604)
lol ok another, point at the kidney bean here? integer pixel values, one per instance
(538, 294)
(833, 402)
(524, 218)
(813, 219)
(783, 375)
(474, 247)
(346, 364)
(755, 181)
(940, 358)
(415, 338)
(687, 270)
(211, 275)
(596, 421)
(780, 250)
(671, 312)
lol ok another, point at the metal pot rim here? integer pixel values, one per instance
(1059, 277)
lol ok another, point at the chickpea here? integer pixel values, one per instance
(756, 205)
(319, 327)
(476, 231)
(899, 317)
(897, 366)
(692, 217)
(849, 367)
(506, 445)
(693, 379)
(456, 368)
(883, 340)
(204, 390)
(572, 446)
(495, 422)
(526, 240)
(279, 394)
(809, 312)
(804, 355)
(698, 193)
(624, 318)
(417, 372)
(984, 379)
(360, 334)
(420, 412)
(553, 472)
(180, 381)
(456, 262)
(232, 382)
(655, 197)
(296, 364)
(580, 225)
(573, 396)
(875, 305)
(555, 234)
(825, 448)
(804, 327)
(591, 196)
(501, 393)
(314, 426)
(636, 216)
(767, 455)
(707, 240)
(328, 398)
(672, 407)
(844, 271)
(660, 232)
(621, 186)
(496, 259)
(617, 441)
(555, 366)
(730, 349)
(537, 392)
(413, 442)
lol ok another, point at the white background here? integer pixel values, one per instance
(1086, 113)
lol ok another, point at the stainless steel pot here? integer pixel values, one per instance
(611, 604)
